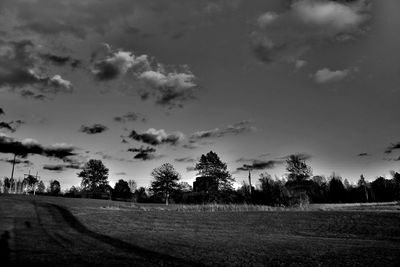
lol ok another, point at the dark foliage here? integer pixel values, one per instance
(121, 190)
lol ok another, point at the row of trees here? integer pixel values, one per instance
(29, 185)
(215, 184)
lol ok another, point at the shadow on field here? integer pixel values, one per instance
(151, 256)
(5, 249)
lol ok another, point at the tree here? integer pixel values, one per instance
(165, 180)
(141, 195)
(41, 187)
(336, 189)
(210, 165)
(132, 185)
(31, 181)
(55, 187)
(297, 168)
(122, 189)
(363, 188)
(94, 176)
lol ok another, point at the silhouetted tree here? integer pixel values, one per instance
(383, 189)
(215, 171)
(95, 177)
(6, 184)
(396, 181)
(31, 181)
(336, 189)
(122, 190)
(141, 195)
(41, 187)
(165, 180)
(297, 168)
(273, 191)
(363, 189)
(55, 187)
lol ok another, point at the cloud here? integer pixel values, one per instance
(93, 129)
(71, 18)
(31, 146)
(190, 169)
(7, 126)
(30, 94)
(235, 129)
(306, 24)
(326, 75)
(130, 116)
(59, 83)
(17, 161)
(170, 88)
(62, 167)
(19, 68)
(169, 85)
(143, 153)
(55, 59)
(259, 165)
(11, 126)
(117, 63)
(185, 159)
(392, 147)
(157, 137)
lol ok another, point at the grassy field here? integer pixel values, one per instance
(50, 231)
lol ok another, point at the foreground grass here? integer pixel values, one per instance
(82, 232)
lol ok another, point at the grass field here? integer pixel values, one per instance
(50, 231)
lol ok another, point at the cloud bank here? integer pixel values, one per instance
(306, 23)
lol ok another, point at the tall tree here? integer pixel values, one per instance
(122, 189)
(165, 180)
(297, 168)
(55, 187)
(31, 182)
(41, 187)
(210, 165)
(132, 185)
(94, 176)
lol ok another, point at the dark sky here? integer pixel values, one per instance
(140, 83)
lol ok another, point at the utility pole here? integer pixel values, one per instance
(250, 183)
(12, 174)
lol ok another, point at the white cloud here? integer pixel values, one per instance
(58, 82)
(326, 75)
(289, 35)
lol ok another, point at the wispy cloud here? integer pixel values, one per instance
(93, 129)
(129, 117)
(157, 137)
(260, 165)
(234, 129)
(185, 159)
(392, 147)
(143, 153)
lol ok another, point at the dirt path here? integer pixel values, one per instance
(47, 234)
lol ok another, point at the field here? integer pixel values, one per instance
(49, 231)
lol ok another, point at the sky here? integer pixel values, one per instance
(140, 83)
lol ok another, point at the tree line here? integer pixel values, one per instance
(214, 184)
